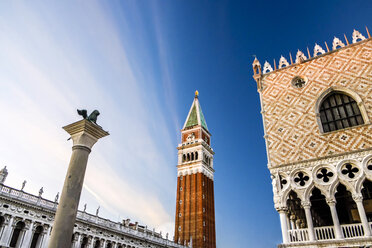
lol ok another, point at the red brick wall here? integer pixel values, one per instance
(192, 218)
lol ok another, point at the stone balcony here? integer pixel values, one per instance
(353, 234)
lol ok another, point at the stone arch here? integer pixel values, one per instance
(333, 188)
(192, 156)
(188, 157)
(345, 205)
(359, 184)
(308, 191)
(286, 193)
(97, 243)
(196, 155)
(36, 238)
(296, 213)
(321, 212)
(17, 234)
(365, 165)
(342, 90)
(367, 198)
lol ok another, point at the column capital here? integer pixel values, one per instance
(85, 133)
(357, 197)
(331, 201)
(282, 209)
(306, 204)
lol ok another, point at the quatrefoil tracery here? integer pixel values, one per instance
(324, 175)
(301, 178)
(350, 170)
(283, 181)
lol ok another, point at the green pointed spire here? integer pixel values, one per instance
(195, 116)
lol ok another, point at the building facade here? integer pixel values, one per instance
(26, 221)
(195, 220)
(317, 113)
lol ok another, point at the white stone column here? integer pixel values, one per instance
(46, 236)
(309, 220)
(8, 229)
(74, 243)
(84, 135)
(91, 245)
(283, 224)
(358, 198)
(293, 224)
(28, 234)
(336, 223)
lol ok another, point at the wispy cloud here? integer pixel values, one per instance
(55, 59)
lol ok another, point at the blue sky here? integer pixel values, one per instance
(139, 63)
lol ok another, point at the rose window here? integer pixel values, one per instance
(324, 174)
(298, 82)
(301, 179)
(349, 170)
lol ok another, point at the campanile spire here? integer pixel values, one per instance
(195, 221)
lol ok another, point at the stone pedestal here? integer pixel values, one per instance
(84, 135)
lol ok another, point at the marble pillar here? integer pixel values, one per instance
(84, 135)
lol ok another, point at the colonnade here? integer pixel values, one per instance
(287, 223)
(17, 232)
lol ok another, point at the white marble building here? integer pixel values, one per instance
(26, 221)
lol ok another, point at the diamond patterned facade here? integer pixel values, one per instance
(321, 175)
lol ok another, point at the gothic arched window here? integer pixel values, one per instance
(339, 111)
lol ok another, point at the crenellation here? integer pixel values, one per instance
(318, 51)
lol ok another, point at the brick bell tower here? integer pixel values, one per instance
(195, 221)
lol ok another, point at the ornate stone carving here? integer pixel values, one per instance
(267, 68)
(337, 43)
(283, 62)
(318, 50)
(300, 57)
(357, 36)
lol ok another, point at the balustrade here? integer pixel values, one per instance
(352, 230)
(324, 233)
(298, 235)
(327, 232)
